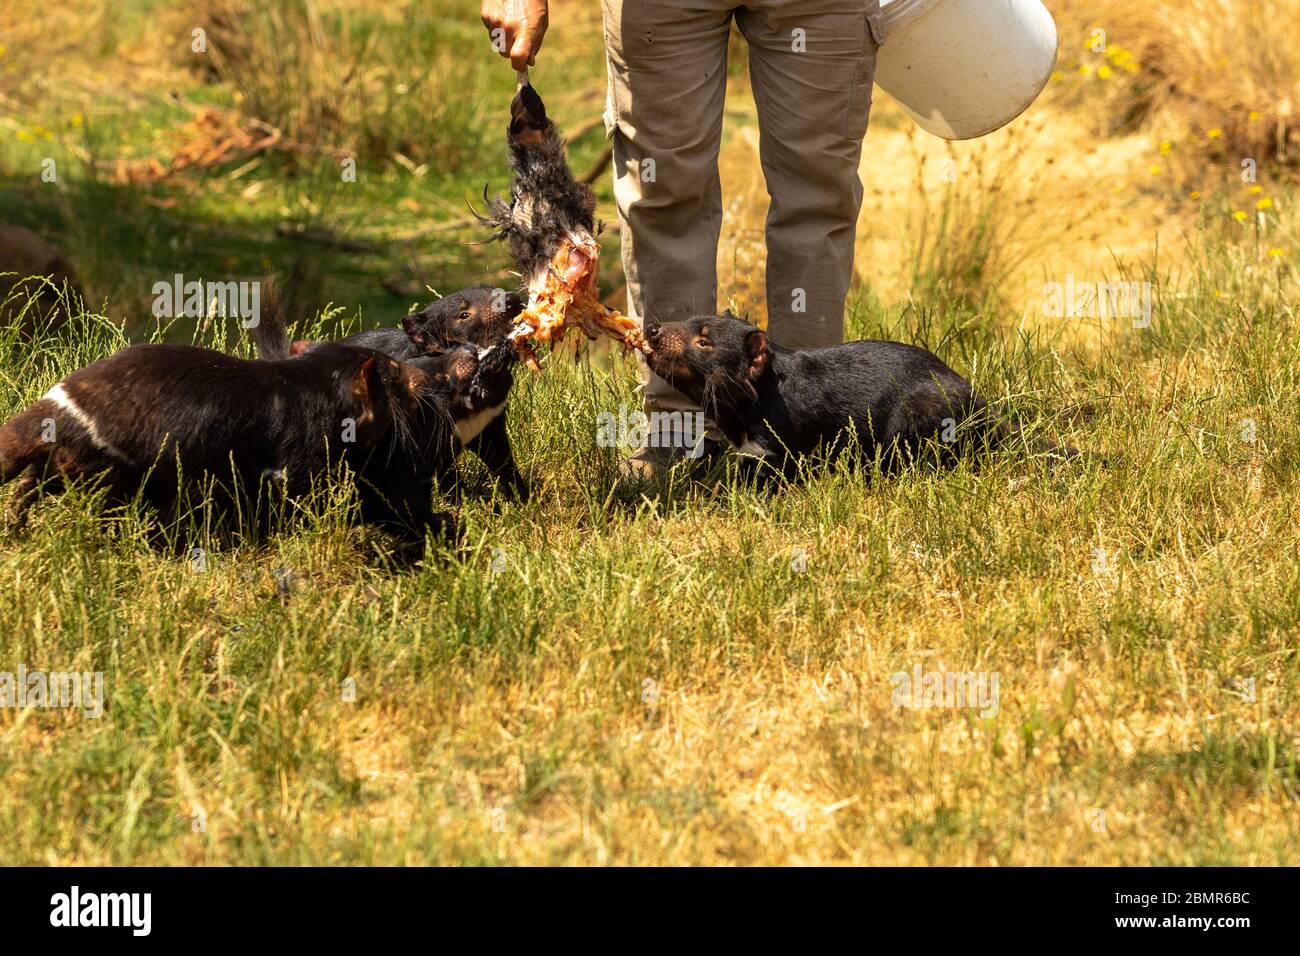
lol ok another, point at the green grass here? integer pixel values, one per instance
(125, 236)
(644, 676)
(520, 689)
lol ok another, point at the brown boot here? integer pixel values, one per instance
(649, 464)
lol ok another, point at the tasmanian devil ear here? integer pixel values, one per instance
(366, 385)
(758, 353)
(418, 335)
(299, 346)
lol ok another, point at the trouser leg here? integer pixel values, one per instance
(812, 64)
(668, 79)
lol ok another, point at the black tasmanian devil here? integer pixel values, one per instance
(150, 417)
(465, 384)
(777, 405)
(481, 316)
(471, 386)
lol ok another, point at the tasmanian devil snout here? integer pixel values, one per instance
(665, 343)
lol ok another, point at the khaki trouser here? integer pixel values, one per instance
(812, 64)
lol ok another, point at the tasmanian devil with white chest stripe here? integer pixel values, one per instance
(151, 418)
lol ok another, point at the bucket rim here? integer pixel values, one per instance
(899, 13)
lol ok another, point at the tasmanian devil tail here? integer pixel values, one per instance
(269, 336)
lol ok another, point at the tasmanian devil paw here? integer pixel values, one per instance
(445, 528)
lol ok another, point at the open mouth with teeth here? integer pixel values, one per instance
(564, 293)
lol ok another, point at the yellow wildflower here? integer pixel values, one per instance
(1239, 215)
(1104, 72)
(1195, 194)
(1214, 133)
(1166, 147)
(1255, 190)
(1276, 253)
(1252, 115)
(1264, 203)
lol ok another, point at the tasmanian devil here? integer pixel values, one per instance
(398, 480)
(481, 316)
(470, 388)
(151, 417)
(777, 405)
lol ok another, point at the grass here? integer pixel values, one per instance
(421, 156)
(700, 674)
(613, 678)
(1217, 77)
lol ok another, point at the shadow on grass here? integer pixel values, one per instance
(124, 238)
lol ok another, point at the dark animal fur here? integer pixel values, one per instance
(153, 416)
(778, 405)
(464, 395)
(546, 201)
(400, 478)
(482, 315)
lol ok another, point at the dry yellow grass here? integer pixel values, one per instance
(1202, 66)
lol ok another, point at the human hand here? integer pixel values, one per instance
(516, 28)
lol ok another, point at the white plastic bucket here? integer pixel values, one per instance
(963, 68)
